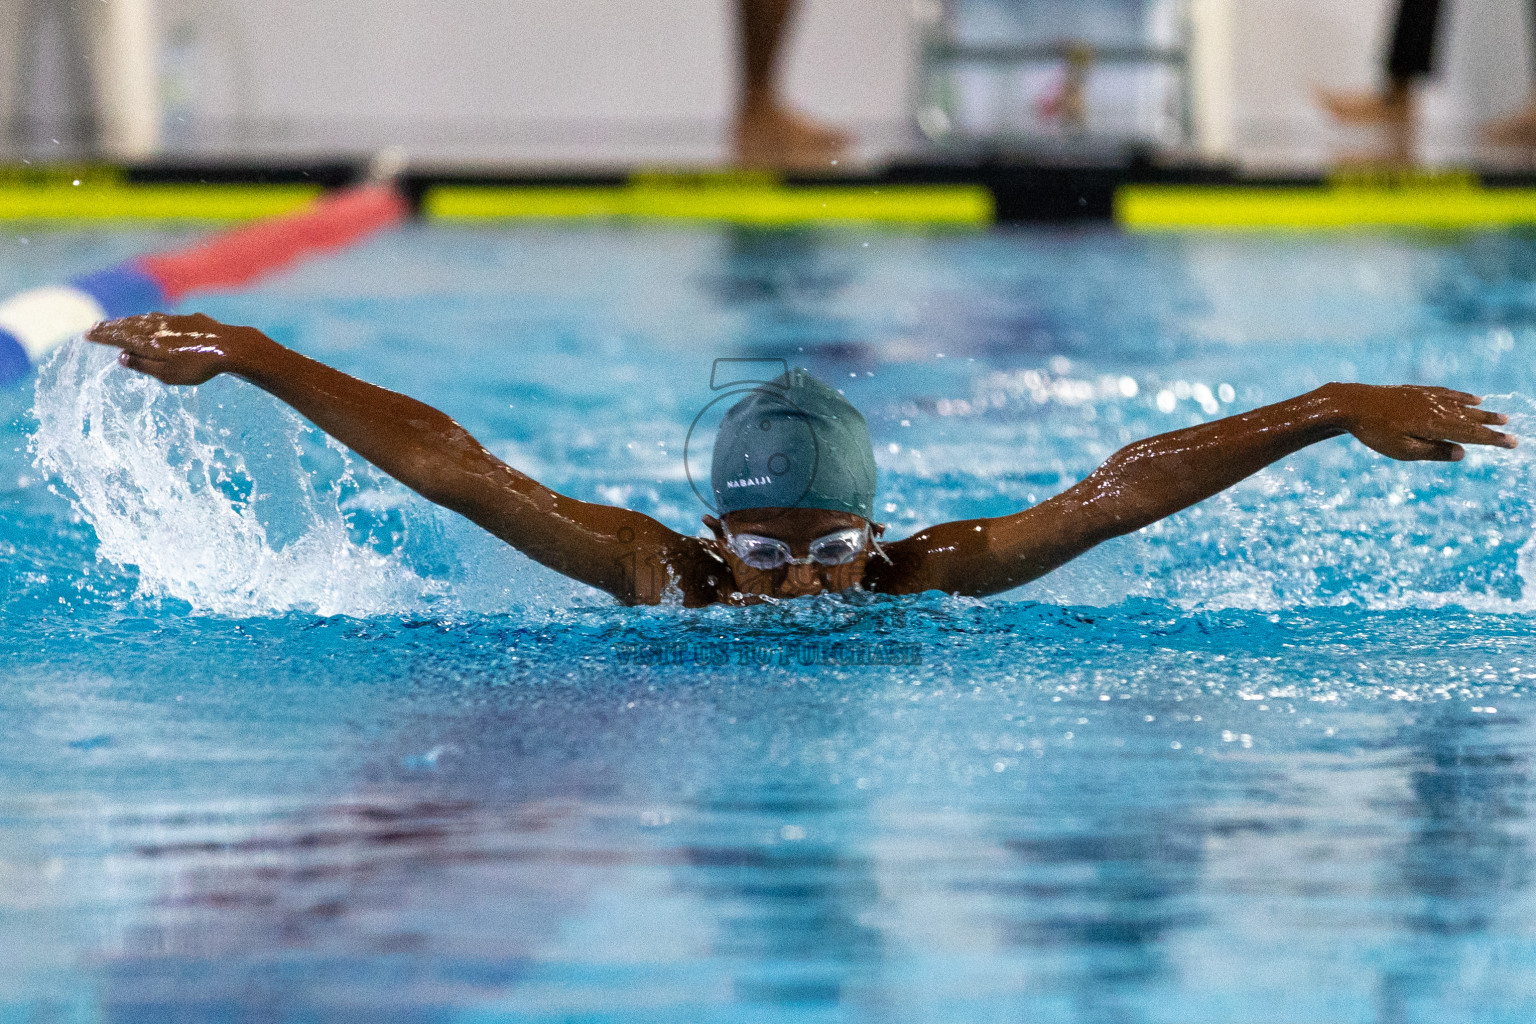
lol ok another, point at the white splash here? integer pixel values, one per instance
(225, 518)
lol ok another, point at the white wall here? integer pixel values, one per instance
(1284, 49)
(605, 82)
(539, 81)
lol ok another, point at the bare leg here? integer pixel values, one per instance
(769, 134)
(762, 29)
(1517, 129)
(1410, 58)
(28, 20)
(10, 78)
(1394, 111)
(1389, 105)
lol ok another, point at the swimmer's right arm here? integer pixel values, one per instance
(625, 553)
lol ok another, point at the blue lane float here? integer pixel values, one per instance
(35, 322)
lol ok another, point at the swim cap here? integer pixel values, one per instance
(794, 443)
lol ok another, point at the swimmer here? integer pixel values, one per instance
(793, 477)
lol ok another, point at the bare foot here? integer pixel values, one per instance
(1394, 106)
(1517, 129)
(1394, 112)
(770, 136)
(1371, 160)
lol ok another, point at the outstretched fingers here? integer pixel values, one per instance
(1496, 438)
(137, 360)
(1458, 418)
(1484, 416)
(1425, 450)
(1459, 396)
(1425, 423)
(156, 368)
(132, 334)
(1469, 433)
(1469, 426)
(175, 349)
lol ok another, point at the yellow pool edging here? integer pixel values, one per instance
(115, 201)
(768, 205)
(1321, 208)
(1436, 201)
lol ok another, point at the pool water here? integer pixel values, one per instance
(281, 742)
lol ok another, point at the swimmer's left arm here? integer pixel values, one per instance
(1156, 477)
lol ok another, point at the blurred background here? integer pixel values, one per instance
(599, 84)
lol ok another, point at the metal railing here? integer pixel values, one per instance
(1040, 84)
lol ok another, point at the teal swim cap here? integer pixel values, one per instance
(794, 443)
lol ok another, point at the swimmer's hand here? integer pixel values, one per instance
(186, 349)
(1415, 423)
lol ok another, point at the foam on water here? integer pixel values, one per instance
(1375, 534)
(184, 498)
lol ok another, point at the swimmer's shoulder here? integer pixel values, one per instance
(898, 569)
(685, 567)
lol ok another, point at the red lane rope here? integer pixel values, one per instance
(244, 254)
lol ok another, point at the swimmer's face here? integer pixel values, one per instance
(798, 528)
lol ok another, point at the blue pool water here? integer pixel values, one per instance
(283, 743)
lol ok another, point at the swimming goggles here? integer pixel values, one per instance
(837, 548)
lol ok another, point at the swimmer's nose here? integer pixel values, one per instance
(800, 581)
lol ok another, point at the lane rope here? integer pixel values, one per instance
(35, 322)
